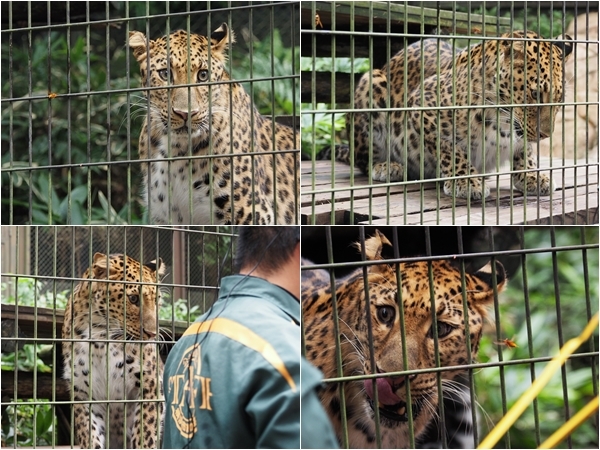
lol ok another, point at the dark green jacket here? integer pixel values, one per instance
(233, 379)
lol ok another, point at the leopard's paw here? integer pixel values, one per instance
(380, 171)
(465, 188)
(533, 183)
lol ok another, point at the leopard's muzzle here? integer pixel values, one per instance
(390, 405)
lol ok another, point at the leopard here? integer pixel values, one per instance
(207, 155)
(511, 88)
(110, 353)
(392, 339)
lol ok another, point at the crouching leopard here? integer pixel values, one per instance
(516, 69)
(210, 115)
(101, 363)
(388, 345)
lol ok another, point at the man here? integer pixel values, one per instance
(233, 379)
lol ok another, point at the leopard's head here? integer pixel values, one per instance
(124, 295)
(396, 347)
(186, 65)
(531, 72)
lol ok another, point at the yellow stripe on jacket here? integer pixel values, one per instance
(246, 337)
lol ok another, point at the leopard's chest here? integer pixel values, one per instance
(490, 143)
(110, 370)
(181, 189)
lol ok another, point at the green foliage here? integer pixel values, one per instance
(66, 130)
(30, 292)
(542, 291)
(270, 59)
(321, 129)
(342, 65)
(34, 423)
(179, 311)
(28, 425)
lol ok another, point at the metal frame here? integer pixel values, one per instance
(195, 258)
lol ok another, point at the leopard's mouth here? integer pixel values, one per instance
(397, 412)
(390, 405)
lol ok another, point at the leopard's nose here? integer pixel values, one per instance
(184, 113)
(149, 334)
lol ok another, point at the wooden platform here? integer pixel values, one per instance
(353, 200)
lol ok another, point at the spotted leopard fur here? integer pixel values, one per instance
(104, 315)
(210, 115)
(320, 339)
(446, 142)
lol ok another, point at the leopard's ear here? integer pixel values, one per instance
(564, 45)
(485, 274)
(518, 48)
(156, 266)
(221, 37)
(100, 264)
(140, 45)
(374, 246)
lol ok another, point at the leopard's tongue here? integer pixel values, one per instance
(384, 390)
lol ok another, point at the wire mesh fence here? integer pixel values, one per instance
(74, 105)
(482, 311)
(405, 106)
(54, 318)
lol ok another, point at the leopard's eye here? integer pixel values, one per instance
(203, 75)
(134, 299)
(536, 95)
(163, 74)
(443, 330)
(386, 315)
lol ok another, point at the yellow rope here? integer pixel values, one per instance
(527, 398)
(570, 426)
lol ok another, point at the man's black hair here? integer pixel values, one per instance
(267, 247)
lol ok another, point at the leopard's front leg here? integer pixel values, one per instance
(148, 413)
(533, 183)
(370, 129)
(97, 438)
(459, 165)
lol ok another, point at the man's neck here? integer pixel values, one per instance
(286, 276)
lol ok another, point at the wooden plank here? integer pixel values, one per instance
(574, 200)
(41, 387)
(322, 82)
(49, 323)
(362, 13)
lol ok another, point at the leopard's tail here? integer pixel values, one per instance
(341, 153)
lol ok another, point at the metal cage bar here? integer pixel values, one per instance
(35, 293)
